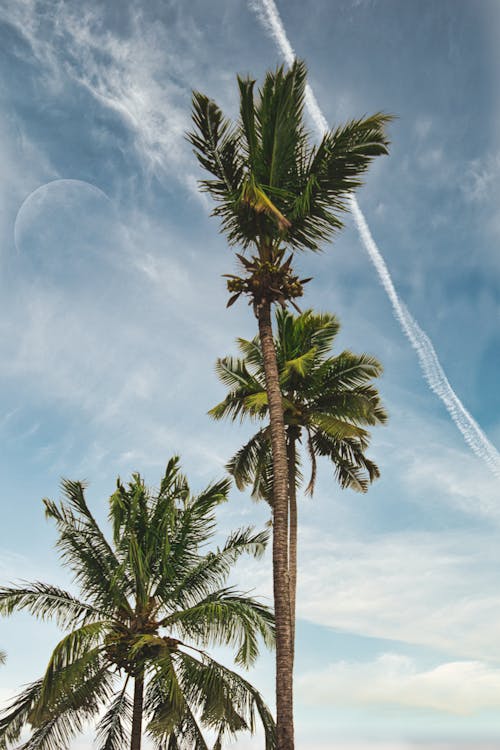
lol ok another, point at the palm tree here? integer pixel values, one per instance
(3, 657)
(274, 190)
(152, 602)
(328, 401)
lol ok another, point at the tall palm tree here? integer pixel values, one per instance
(274, 190)
(153, 600)
(328, 402)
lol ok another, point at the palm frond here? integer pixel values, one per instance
(214, 568)
(58, 724)
(95, 568)
(112, 730)
(165, 703)
(73, 657)
(352, 468)
(225, 618)
(224, 699)
(47, 602)
(216, 147)
(250, 460)
(15, 715)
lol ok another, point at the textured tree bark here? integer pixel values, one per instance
(292, 539)
(136, 734)
(281, 580)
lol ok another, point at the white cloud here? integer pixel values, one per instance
(139, 75)
(444, 475)
(481, 178)
(435, 589)
(423, 126)
(461, 687)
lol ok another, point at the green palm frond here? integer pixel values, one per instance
(252, 355)
(101, 575)
(47, 602)
(251, 460)
(113, 729)
(352, 468)
(333, 173)
(297, 335)
(216, 147)
(225, 618)
(16, 714)
(54, 726)
(214, 568)
(348, 370)
(213, 696)
(299, 366)
(232, 699)
(73, 657)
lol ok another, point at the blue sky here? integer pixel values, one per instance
(114, 312)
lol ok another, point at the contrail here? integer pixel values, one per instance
(427, 357)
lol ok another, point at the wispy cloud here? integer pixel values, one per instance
(434, 589)
(459, 687)
(135, 74)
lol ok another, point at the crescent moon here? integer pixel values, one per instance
(32, 197)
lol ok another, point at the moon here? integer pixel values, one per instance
(64, 228)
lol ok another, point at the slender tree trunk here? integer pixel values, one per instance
(292, 540)
(281, 580)
(136, 735)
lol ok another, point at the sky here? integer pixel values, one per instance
(113, 313)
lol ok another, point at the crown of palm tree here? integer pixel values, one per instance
(272, 187)
(329, 398)
(153, 600)
(267, 178)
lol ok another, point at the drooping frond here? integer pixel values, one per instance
(165, 704)
(227, 619)
(112, 731)
(352, 468)
(15, 715)
(73, 657)
(69, 717)
(224, 700)
(250, 461)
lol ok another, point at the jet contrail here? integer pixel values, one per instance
(427, 357)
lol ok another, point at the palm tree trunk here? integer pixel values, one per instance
(292, 540)
(136, 734)
(281, 581)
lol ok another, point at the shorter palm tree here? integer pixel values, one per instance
(154, 600)
(2, 657)
(328, 401)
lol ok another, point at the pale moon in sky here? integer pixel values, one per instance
(65, 228)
